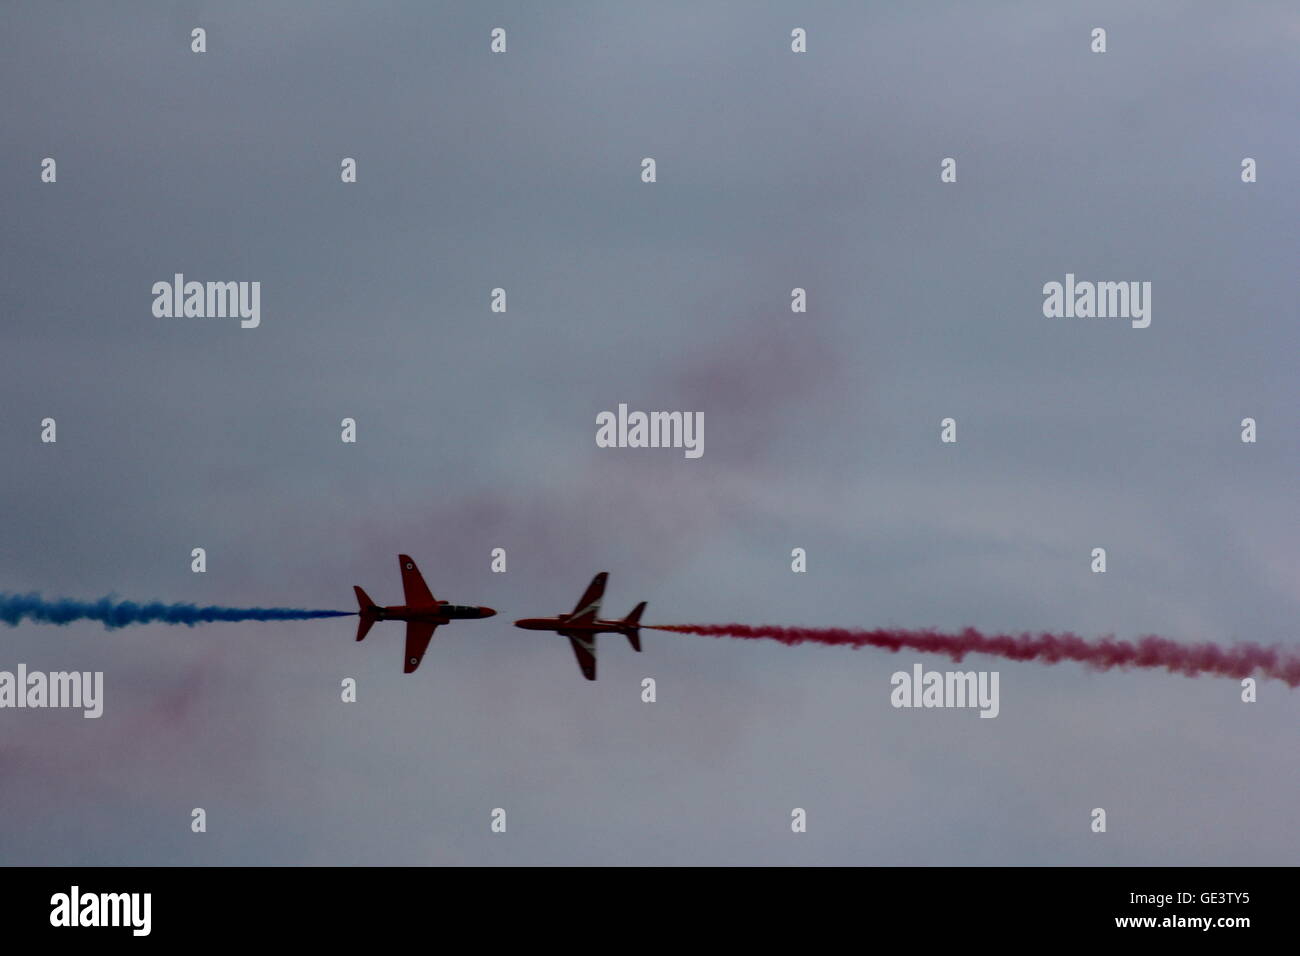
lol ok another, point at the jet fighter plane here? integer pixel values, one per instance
(421, 612)
(582, 626)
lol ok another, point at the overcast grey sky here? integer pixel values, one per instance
(476, 430)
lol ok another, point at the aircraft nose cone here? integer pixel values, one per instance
(486, 612)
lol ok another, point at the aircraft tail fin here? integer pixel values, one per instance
(367, 620)
(633, 620)
(363, 600)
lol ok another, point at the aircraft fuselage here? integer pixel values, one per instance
(562, 623)
(439, 614)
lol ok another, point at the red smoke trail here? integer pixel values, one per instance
(1240, 660)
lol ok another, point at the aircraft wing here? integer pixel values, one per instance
(418, 635)
(417, 592)
(584, 649)
(589, 604)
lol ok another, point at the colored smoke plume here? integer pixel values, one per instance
(1239, 660)
(16, 608)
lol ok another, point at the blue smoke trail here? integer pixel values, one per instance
(15, 608)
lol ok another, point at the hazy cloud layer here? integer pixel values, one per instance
(476, 430)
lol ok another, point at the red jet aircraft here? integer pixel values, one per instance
(582, 626)
(421, 612)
